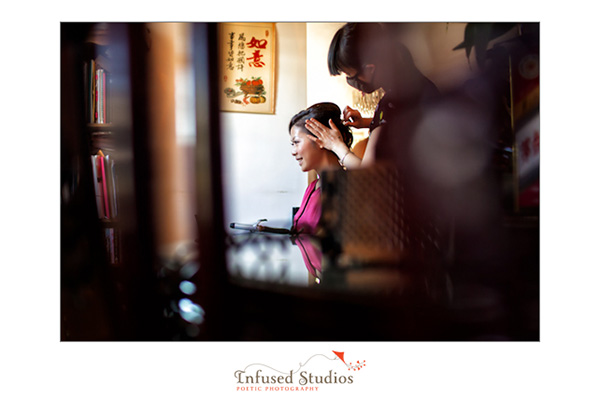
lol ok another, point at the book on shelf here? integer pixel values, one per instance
(96, 96)
(91, 90)
(111, 185)
(105, 185)
(108, 243)
(102, 172)
(97, 86)
(86, 85)
(112, 245)
(103, 97)
(97, 186)
(100, 95)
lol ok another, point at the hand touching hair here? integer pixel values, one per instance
(327, 114)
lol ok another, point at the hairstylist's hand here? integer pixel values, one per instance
(325, 137)
(357, 120)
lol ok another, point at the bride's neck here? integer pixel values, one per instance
(330, 163)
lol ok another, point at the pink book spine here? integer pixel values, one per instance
(96, 96)
(104, 189)
(104, 97)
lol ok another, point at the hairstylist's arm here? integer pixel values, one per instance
(368, 158)
(330, 138)
(352, 117)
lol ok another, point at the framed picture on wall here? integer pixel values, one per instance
(247, 64)
(525, 87)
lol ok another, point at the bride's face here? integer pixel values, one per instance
(305, 151)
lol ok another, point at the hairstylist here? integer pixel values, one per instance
(371, 59)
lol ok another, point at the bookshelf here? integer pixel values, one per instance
(121, 295)
(98, 101)
(106, 292)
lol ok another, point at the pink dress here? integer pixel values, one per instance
(311, 254)
(308, 215)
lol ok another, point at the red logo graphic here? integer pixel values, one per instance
(355, 367)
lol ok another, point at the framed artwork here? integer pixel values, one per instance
(247, 62)
(527, 147)
(525, 87)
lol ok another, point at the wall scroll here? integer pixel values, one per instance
(525, 88)
(247, 62)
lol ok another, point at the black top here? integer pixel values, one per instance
(393, 104)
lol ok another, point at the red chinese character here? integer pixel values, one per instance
(256, 62)
(525, 150)
(536, 142)
(259, 44)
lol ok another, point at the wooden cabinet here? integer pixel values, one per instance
(111, 282)
(106, 243)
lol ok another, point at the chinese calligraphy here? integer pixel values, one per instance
(530, 146)
(256, 62)
(241, 52)
(229, 55)
(237, 60)
(256, 56)
(259, 44)
(247, 62)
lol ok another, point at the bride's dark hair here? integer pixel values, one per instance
(323, 112)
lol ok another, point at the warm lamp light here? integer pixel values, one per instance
(366, 102)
